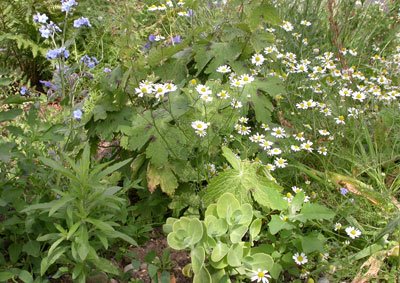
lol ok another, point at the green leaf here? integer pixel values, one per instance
(215, 227)
(258, 261)
(73, 229)
(277, 224)
(59, 168)
(258, 13)
(77, 271)
(312, 243)
(162, 176)
(198, 257)
(366, 252)
(55, 245)
(124, 237)
(296, 203)
(237, 234)
(105, 265)
(203, 276)
(235, 255)
(389, 228)
(245, 184)
(40, 206)
(10, 114)
(220, 250)
(233, 160)
(6, 275)
(32, 248)
(101, 225)
(112, 168)
(313, 211)
(223, 52)
(255, 229)
(14, 250)
(50, 259)
(25, 276)
(226, 205)
(58, 204)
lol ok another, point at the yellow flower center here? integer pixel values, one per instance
(260, 274)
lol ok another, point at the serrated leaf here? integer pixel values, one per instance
(313, 211)
(277, 224)
(245, 184)
(162, 176)
(156, 152)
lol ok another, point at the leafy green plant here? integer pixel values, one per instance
(86, 212)
(217, 244)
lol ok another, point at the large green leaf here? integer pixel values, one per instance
(313, 211)
(243, 184)
(10, 114)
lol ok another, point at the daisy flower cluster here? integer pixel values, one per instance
(157, 90)
(178, 7)
(330, 91)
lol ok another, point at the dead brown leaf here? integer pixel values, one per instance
(373, 264)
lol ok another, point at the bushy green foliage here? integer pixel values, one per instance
(89, 208)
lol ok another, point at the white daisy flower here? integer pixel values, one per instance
(260, 276)
(353, 232)
(337, 226)
(278, 132)
(257, 59)
(280, 162)
(287, 26)
(224, 69)
(200, 128)
(223, 94)
(300, 259)
(202, 89)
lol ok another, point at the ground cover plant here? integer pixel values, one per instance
(259, 140)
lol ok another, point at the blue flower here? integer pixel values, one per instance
(40, 18)
(147, 46)
(82, 22)
(49, 30)
(66, 5)
(190, 13)
(177, 39)
(90, 62)
(107, 70)
(48, 84)
(77, 114)
(24, 90)
(57, 53)
(344, 191)
(152, 38)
